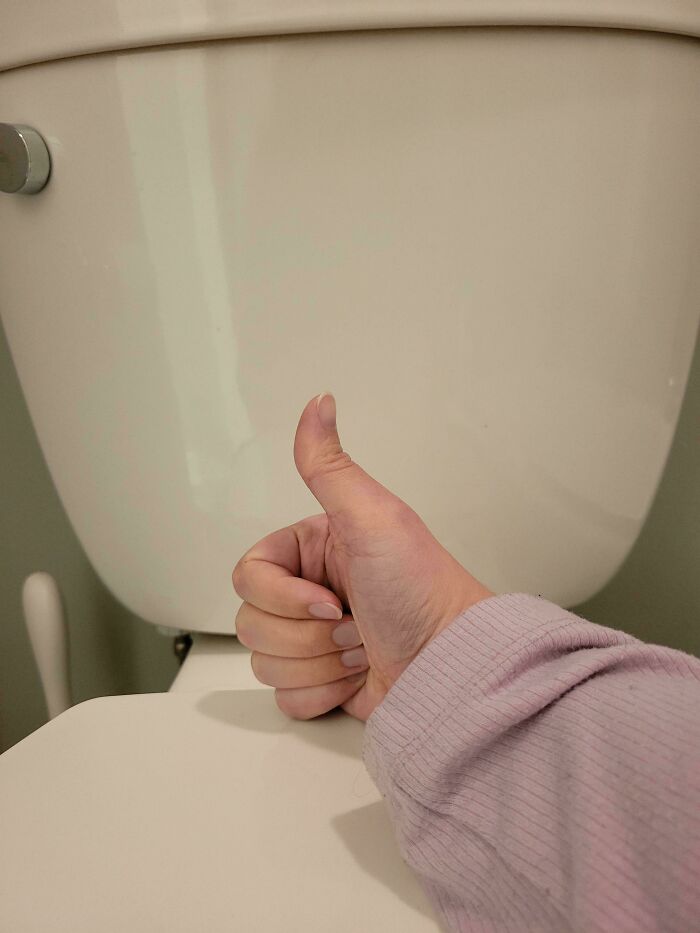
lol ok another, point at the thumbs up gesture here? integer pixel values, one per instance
(336, 606)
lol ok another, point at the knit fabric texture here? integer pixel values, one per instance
(542, 773)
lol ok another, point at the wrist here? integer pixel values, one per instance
(466, 592)
(463, 592)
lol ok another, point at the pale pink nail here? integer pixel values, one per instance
(325, 406)
(325, 611)
(346, 635)
(354, 658)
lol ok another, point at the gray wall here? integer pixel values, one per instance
(112, 651)
(656, 594)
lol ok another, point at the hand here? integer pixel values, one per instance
(371, 572)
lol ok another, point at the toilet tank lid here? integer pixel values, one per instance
(37, 31)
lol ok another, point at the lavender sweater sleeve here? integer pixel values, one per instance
(543, 773)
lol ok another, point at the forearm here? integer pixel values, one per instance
(544, 773)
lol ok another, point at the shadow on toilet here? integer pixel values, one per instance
(369, 837)
(255, 710)
(365, 831)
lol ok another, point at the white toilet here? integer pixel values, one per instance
(475, 222)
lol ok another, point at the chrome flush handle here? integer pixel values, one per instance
(24, 159)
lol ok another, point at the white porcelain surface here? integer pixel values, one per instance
(33, 30)
(217, 662)
(483, 241)
(212, 812)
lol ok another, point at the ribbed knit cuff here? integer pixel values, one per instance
(461, 663)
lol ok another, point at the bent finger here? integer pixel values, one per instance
(268, 574)
(293, 638)
(309, 702)
(307, 672)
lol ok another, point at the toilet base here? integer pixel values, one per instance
(216, 662)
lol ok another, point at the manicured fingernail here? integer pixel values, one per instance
(357, 678)
(325, 405)
(346, 635)
(325, 611)
(354, 658)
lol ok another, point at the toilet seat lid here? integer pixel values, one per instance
(34, 31)
(198, 811)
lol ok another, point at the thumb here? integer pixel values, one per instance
(337, 483)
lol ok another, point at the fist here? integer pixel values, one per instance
(336, 606)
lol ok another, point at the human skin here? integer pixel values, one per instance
(384, 585)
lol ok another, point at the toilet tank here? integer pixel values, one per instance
(475, 223)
